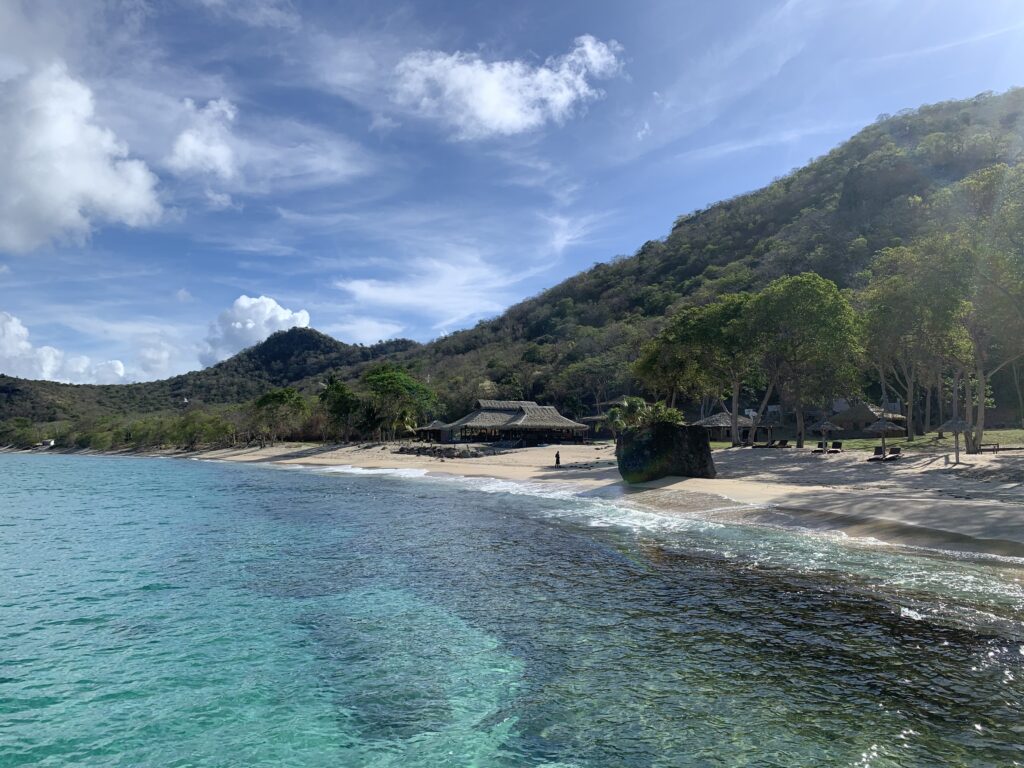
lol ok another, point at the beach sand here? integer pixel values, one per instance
(922, 499)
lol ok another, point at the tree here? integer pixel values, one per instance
(277, 411)
(397, 399)
(341, 405)
(715, 348)
(635, 412)
(810, 341)
(910, 309)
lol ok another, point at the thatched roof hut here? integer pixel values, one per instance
(720, 424)
(723, 419)
(515, 419)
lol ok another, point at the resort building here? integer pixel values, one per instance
(859, 415)
(514, 420)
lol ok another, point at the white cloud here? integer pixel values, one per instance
(156, 358)
(248, 321)
(257, 13)
(19, 357)
(364, 330)
(447, 289)
(479, 99)
(257, 155)
(183, 295)
(205, 146)
(60, 170)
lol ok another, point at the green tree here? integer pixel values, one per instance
(715, 349)
(341, 404)
(397, 399)
(278, 411)
(810, 341)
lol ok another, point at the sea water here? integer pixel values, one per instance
(186, 613)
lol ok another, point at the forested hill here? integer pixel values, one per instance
(897, 180)
(286, 357)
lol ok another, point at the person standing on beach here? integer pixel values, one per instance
(558, 459)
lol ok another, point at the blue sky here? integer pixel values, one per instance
(180, 179)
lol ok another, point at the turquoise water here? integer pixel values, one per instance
(173, 613)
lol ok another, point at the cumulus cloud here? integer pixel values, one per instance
(60, 170)
(19, 357)
(246, 322)
(204, 147)
(479, 99)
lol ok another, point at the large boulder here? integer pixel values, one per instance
(662, 449)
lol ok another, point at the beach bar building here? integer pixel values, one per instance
(516, 421)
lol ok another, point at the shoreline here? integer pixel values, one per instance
(975, 507)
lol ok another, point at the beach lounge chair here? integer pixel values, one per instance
(769, 444)
(782, 444)
(879, 454)
(837, 446)
(894, 453)
(820, 449)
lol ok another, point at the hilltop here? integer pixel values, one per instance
(891, 183)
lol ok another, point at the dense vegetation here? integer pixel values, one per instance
(918, 221)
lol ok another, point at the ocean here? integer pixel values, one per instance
(187, 613)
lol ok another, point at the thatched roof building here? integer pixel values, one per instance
(860, 415)
(513, 420)
(723, 419)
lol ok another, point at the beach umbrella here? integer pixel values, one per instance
(825, 427)
(955, 425)
(882, 426)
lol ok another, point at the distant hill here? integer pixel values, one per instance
(571, 345)
(289, 357)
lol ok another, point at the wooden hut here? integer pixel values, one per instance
(435, 432)
(516, 420)
(720, 425)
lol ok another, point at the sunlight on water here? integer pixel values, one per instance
(190, 613)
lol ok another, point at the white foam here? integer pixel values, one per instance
(347, 469)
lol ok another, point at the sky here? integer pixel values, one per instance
(181, 178)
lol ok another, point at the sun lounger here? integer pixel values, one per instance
(879, 454)
(769, 444)
(894, 453)
(837, 446)
(782, 444)
(819, 449)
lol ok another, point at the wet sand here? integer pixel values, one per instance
(922, 499)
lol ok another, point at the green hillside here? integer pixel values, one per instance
(906, 177)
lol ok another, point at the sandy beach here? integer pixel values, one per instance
(922, 499)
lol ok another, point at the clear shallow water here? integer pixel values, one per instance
(170, 613)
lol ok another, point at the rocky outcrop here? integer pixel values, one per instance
(661, 450)
(440, 451)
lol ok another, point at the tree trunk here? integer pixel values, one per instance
(764, 400)
(1020, 394)
(979, 422)
(799, 425)
(735, 412)
(939, 400)
(910, 405)
(927, 409)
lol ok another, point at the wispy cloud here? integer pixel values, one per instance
(948, 45)
(765, 139)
